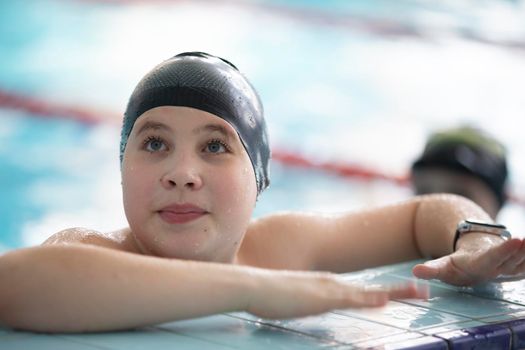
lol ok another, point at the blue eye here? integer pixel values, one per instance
(154, 144)
(215, 147)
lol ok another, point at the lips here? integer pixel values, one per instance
(181, 213)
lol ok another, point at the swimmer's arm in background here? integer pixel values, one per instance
(85, 288)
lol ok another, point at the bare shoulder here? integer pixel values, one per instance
(119, 240)
(283, 241)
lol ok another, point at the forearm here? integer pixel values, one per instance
(435, 221)
(423, 226)
(81, 288)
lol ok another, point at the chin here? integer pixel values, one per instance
(182, 251)
(204, 256)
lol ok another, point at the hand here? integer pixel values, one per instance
(295, 294)
(481, 262)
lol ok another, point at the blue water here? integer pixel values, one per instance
(359, 82)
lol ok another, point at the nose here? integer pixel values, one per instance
(182, 173)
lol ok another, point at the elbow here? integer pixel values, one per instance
(9, 315)
(19, 295)
(43, 289)
(435, 218)
(450, 200)
(450, 206)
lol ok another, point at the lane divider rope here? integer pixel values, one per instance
(42, 108)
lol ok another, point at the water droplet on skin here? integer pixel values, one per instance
(196, 246)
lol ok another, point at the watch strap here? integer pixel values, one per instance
(468, 226)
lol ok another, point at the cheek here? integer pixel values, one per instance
(137, 188)
(238, 189)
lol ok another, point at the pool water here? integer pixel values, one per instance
(359, 82)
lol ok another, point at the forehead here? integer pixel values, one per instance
(183, 119)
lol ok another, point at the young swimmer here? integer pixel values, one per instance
(194, 158)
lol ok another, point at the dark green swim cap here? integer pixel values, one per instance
(468, 150)
(211, 84)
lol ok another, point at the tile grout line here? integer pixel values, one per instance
(207, 340)
(71, 338)
(328, 342)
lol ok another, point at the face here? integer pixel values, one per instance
(188, 185)
(437, 180)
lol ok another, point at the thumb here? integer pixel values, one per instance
(430, 269)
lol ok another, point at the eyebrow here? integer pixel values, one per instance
(214, 127)
(153, 125)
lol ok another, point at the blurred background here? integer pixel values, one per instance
(356, 84)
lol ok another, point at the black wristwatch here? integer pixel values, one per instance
(467, 226)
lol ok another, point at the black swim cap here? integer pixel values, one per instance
(471, 151)
(211, 84)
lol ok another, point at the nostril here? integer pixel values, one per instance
(169, 183)
(188, 181)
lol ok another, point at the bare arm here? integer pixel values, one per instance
(83, 288)
(423, 227)
(420, 227)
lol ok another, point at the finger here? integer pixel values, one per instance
(468, 267)
(476, 267)
(430, 269)
(375, 295)
(508, 250)
(487, 263)
(443, 269)
(408, 291)
(520, 269)
(367, 298)
(514, 261)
